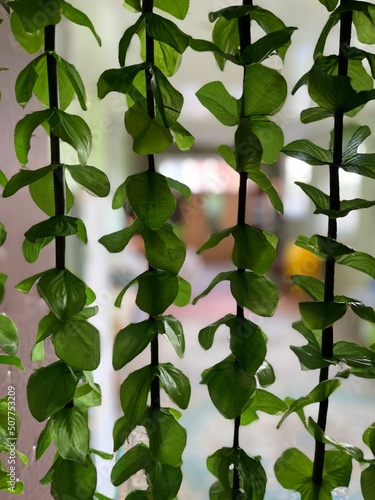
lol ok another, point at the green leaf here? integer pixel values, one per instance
(134, 393)
(121, 431)
(308, 152)
(167, 437)
(172, 329)
(74, 79)
(247, 344)
(354, 355)
(69, 477)
(8, 335)
(310, 285)
(223, 276)
(42, 193)
(74, 131)
(320, 393)
(230, 387)
(207, 334)
(225, 35)
(156, 291)
(134, 460)
(267, 402)
(219, 102)
(127, 38)
(315, 114)
(24, 130)
(265, 374)
(116, 242)
(265, 91)
(321, 315)
(58, 225)
(184, 139)
(150, 136)
(266, 46)
(164, 481)
(330, 4)
(77, 17)
(150, 197)
(49, 389)
(3, 234)
(176, 9)
(359, 136)
(183, 189)
(368, 482)
(131, 341)
(64, 293)
(369, 437)
(26, 284)
(248, 148)
(31, 16)
(168, 100)
(23, 178)
(32, 42)
(26, 81)
(163, 249)
(363, 20)
(253, 249)
(254, 292)
(118, 80)
(12, 360)
(87, 397)
(184, 293)
(77, 343)
(215, 239)
(219, 464)
(119, 197)
(270, 136)
(265, 185)
(44, 440)
(175, 384)
(71, 433)
(166, 31)
(253, 476)
(90, 179)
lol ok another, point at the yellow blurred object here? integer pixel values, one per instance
(297, 260)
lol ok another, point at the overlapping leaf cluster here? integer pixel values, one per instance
(151, 121)
(61, 392)
(235, 384)
(337, 96)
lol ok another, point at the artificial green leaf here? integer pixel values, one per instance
(363, 21)
(176, 9)
(230, 387)
(131, 341)
(183, 189)
(116, 242)
(225, 35)
(308, 152)
(321, 315)
(253, 249)
(24, 130)
(361, 164)
(368, 482)
(266, 46)
(330, 4)
(31, 250)
(215, 239)
(71, 433)
(248, 148)
(329, 92)
(320, 393)
(118, 80)
(168, 100)
(91, 179)
(184, 293)
(12, 360)
(127, 38)
(33, 19)
(26, 81)
(354, 355)
(135, 459)
(264, 91)
(69, 476)
(175, 384)
(315, 114)
(215, 97)
(172, 329)
(293, 470)
(23, 178)
(44, 440)
(166, 31)
(270, 136)
(64, 293)
(58, 225)
(156, 291)
(254, 478)
(163, 249)
(25, 285)
(33, 41)
(228, 156)
(167, 437)
(77, 17)
(254, 292)
(150, 197)
(267, 402)
(164, 482)
(42, 193)
(121, 431)
(312, 286)
(74, 131)
(207, 334)
(223, 276)
(184, 139)
(247, 344)
(219, 464)
(134, 393)
(8, 335)
(150, 136)
(77, 343)
(73, 78)
(266, 186)
(49, 389)
(119, 197)
(270, 23)
(265, 374)
(369, 437)
(233, 12)
(3, 278)
(355, 141)
(86, 396)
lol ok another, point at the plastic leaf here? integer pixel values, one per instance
(321, 315)
(270, 136)
(253, 249)
(132, 461)
(184, 139)
(121, 431)
(172, 329)
(175, 384)
(44, 440)
(157, 290)
(308, 152)
(254, 292)
(24, 130)
(134, 393)
(219, 102)
(71, 433)
(32, 42)
(164, 482)
(266, 46)
(207, 334)
(164, 250)
(215, 239)
(116, 242)
(58, 225)
(266, 186)
(247, 344)
(23, 178)
(68, 477)
(76, 16)
(31, 17)
(368, 482)
(127, 37)
(118, 80)
(166, 31)
(91, 179)
(131, 341)
(8, 335)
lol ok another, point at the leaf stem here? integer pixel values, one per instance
(329, 279)
(58, 172)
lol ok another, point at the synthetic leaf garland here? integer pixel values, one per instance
(61, 392)
(154, 106)
(340, 86)
(235, 384)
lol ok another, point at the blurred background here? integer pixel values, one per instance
(212, 207)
